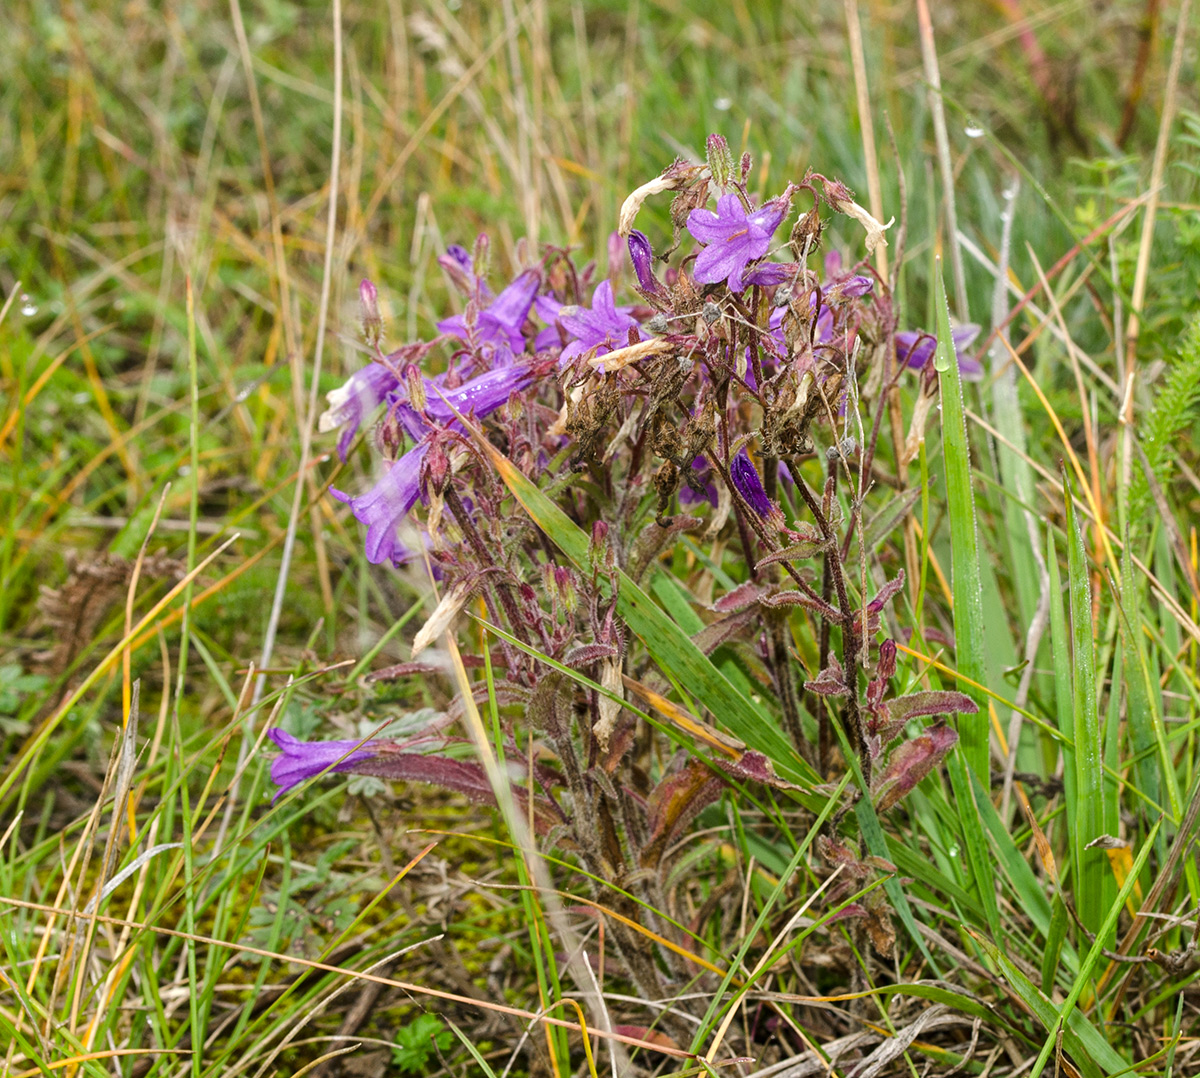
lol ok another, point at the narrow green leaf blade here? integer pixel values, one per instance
(964, 538)
(1094, 880)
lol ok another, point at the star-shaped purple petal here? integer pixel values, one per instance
(598, 329)
(499, 324)
(734, 237)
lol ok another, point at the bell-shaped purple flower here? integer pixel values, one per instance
(498, 326)
(386, 504)
(746, 479)
(351, 402)
(303, 760)
(734, 237)
(914, 349)
(601, 328)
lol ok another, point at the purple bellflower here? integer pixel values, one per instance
(357, 398)
(734, 237)
(601, 328)
(385, 505)
(498, 326)
(303, 760)
(914, 349)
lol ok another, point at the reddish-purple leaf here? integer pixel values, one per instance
(831, 681)
(753, 766)
(713, 636)
(800, 598)
(743, 596)
(586, 654)
(931, 702)
(462, 776)
(911, 762)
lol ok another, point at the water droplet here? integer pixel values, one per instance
(973, 130)
(28, 307)
(723, 104)
(953, 851)
(1010, 192)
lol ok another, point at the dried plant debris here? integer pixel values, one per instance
(73, 612)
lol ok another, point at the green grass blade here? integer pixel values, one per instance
(1097, 951)
(1094, 881)
(964, 539)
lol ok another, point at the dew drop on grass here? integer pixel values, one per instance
(723, 104)
(28, 307)
(953, 850)
(973, 130)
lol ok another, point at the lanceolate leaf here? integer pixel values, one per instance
(1096, 885)
(964, 539)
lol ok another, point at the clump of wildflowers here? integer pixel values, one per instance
(735, 404)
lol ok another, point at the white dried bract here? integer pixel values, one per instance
(631, 205)
(875, 230)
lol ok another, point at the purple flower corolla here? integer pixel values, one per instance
(499, 324)
(734, 237)
(749, 485)
(303, 760)
(458, 263)
(914, 349)
(598, 329)
(385, 505)
(353, 400)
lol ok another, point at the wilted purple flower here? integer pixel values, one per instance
(499, 324)
(697, 485)
(735, 238)
(642, 256)
(749, 485)
(914, 349)
(353, 400)
(603, 327)
(303, 760)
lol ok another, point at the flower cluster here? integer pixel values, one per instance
(731, 396)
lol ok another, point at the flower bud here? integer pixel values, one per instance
(414, 383)
(641, 254)
(483, 254)
(616, 254)
(720, 160)
(372, 322)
